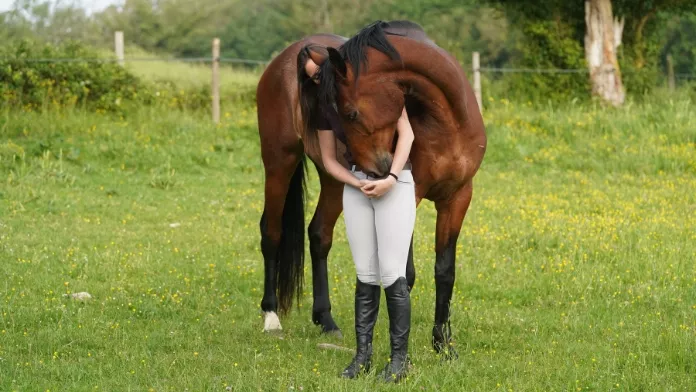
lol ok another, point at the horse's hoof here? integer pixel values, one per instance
(327, 323)
(271, 322)
(334, 332)
(442, 342)
(447, 352)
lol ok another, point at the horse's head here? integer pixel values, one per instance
(369, 103)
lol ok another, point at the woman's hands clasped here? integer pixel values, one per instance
(376, 188)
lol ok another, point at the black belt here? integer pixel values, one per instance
(356, 168)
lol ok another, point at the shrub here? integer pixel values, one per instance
(31, 84)
(27, 82)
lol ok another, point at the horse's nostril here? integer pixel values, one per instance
(384, 163)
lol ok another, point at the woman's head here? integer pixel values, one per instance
(309, 62)
(312, 70)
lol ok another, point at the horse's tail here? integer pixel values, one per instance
(291, 250)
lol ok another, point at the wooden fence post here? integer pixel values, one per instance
(670, 73)
(216, 80)
(476, 62)
(118, 46)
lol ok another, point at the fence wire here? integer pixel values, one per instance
(685, 76)
(232, 60)
(532, 70)
(138, 59)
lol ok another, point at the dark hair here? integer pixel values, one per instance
(306, 88)
(354, 52)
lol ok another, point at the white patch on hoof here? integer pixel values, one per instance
(271, 322)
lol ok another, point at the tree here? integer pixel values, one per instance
(602, 38)
(597, 22)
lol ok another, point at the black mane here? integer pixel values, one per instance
(354, 52)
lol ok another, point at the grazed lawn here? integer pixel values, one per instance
(575, 266)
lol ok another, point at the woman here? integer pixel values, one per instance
(379, 215)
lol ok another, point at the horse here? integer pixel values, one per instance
(396, 65)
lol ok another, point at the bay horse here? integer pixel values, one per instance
(369, 78)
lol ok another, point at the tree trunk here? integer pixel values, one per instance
(602, 38)
(325, 18)
(639, 44)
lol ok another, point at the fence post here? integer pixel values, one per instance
(118, 46)
(216, 80)
(670, 73)
(476, 62)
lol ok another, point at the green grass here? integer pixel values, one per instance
(575, 266)
(185, 74)
(237, 83)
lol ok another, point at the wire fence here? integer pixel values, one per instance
(216, 59)
(138, 59)
(533, 70)
(685, 76)
(232, 60)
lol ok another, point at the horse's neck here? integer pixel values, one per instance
(435, 77)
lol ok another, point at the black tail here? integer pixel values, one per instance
(290, 258)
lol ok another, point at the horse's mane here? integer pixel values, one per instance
(354, 51)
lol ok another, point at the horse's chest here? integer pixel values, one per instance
(441, 176)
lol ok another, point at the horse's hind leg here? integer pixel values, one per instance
(320, 234)
(450, 215)
(278, 178)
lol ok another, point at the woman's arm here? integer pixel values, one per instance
(403, 145)
(327, 144)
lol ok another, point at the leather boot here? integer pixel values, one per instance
(366, 310)
(399, 307)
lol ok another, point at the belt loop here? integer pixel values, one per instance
(352, 168)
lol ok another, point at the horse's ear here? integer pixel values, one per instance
(337, 61)
(317, 56)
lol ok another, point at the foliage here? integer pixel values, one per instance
(548, 45)
(680, 36)
(507, 33)
(639, 54)
(104, 85)
(36, 84)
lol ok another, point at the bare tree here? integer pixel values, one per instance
(602, 38)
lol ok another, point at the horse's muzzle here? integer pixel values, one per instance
(384, 162)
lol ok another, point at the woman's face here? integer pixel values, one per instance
(312, 70)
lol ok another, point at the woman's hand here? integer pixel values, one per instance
(363, 183)
(379, 187)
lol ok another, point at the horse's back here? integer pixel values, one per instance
(409, 29)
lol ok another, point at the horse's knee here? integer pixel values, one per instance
(318, 244)
(444, 274)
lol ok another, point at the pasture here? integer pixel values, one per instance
(575, 267)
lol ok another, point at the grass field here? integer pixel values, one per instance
(575, 266)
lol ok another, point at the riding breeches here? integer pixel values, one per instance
(380, 229)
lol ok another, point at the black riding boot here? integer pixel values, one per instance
(399, 307)
(366, 310)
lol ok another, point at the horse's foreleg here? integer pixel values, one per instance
(410, 268)
(450, 215)
(410, 265)
(320, 234)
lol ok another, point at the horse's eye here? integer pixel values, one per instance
(352, 116)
